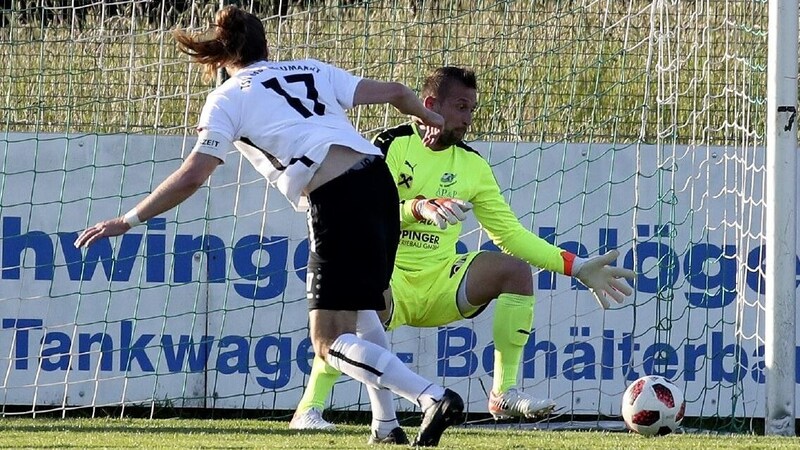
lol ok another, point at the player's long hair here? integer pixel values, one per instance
(237, 39)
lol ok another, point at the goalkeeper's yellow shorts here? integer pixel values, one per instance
(427, 298)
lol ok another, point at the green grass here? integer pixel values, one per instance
(184, 433)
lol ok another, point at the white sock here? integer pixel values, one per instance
(384, 419)
(430, 396)
(375, 366)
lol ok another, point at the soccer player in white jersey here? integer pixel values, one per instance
(288, 118)
(432, 285)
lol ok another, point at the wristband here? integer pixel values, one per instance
(415, 211)
(407, 215)
(132, 218)
(577, 264)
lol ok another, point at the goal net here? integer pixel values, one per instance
(636, 125)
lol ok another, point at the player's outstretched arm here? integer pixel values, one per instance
(370, 92)
(602, 279)
(175, 189)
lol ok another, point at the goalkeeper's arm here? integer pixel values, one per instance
(596, 273)
(505, 230)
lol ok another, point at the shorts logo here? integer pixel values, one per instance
(457, 265)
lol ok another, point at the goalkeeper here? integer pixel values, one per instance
(432, 285)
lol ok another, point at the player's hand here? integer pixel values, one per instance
(433, 127)
(604, 280)
(108, 228)
(441, 211)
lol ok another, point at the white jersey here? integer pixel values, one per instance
(283, 116)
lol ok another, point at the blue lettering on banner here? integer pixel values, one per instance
(120, 348)
(128, 351)
(612, 358)
(260, 262)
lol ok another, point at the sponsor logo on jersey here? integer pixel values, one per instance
(404, 178)
(419, 239)
(443, 191)
(448, 179)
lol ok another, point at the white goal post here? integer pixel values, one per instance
(781, 296)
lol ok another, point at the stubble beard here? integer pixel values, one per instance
(450, 137)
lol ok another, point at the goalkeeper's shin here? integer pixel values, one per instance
(513, 318)
(320, 383)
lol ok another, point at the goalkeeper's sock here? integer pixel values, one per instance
(384, 419)
(320, 383)
(377, 367)
(513, 318)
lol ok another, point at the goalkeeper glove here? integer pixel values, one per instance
(602, 278)
(440, 211)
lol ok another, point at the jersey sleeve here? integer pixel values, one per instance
(394, 159)
(216, 128)
(504, 229)
(391, 153)
(344, 84)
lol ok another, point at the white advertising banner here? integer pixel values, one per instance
(205, 305)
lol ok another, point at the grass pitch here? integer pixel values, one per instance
(214, 433)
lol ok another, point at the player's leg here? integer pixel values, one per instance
(385, 427)
(347, 275)
(410, 294)
(308, 415)
(379, 368)
(508, 279)
(334, 339)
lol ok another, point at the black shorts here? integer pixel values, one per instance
(354, 230)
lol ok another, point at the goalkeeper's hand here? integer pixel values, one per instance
(603, 279)
(441, 211)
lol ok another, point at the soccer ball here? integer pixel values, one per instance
(652, 406)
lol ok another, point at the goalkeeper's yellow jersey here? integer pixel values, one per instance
(456, 172)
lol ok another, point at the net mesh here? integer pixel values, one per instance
(636, 124)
